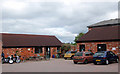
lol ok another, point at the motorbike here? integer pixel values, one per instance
(17, 59)
(9, 60)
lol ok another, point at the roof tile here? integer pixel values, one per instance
(29, 40)
(101, 33)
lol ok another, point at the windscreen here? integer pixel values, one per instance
(68, 52)
(99, 54)
(73, 51)
(79, 54)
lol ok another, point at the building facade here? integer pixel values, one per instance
(30, 45)
(100, 46)
(0, 49)
(102, 36)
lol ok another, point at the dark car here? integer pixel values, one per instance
(83, 57)
(105, 57)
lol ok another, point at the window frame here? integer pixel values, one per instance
(87, 54)
(39, 50)
(113, 54)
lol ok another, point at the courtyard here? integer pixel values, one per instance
(58, 65)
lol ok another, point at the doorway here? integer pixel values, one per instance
(101, 47)
(82, 48)
(47, 53)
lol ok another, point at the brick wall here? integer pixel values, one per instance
(93, 46)
(53, 51)
(0, 49)
(23, 52)
(73, 47)
(27, 52)
(119, 49)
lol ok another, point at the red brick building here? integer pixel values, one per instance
(0, 49)
(27, 45)
(73, 47)
(102, 36)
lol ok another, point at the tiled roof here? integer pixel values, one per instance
(29, 40)
(106, 23)
(101, 34)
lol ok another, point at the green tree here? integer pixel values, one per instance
(78, 36)
(66, 47)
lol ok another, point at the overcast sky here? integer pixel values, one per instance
(64, 19)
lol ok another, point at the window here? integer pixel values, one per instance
(108, 53)
(73, 51)
(87, 54)
(38, 50)
(82, 48)
(112, 53)
(99, 54)
(58, 50)
(79, 54)
(68, 52)
(101, 47)
(91, 54)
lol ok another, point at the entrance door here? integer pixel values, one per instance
(48, 52)
(101, 47)
(82, 48)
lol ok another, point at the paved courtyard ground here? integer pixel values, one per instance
(58, 65)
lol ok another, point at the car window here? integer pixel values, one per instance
(87, 54)
(91, 54)
(73, 51)
(99, 54)
(108, 53)
(112, 53)
(79, 54)
(68, 52)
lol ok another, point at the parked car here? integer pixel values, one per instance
(69, 54)
(105, 57)
(83, 57)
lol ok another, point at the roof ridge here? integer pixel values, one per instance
(106, 22)
(28, 34)
(21, 40)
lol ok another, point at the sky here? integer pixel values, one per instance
(65, 19)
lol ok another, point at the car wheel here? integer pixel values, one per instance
(10, 61)
(2, 62)
(106, 62)
(72, 57)
(117, 60)
(95, 63)
(75, 62)
(18, 61)
(86, 61)
(65, 58)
